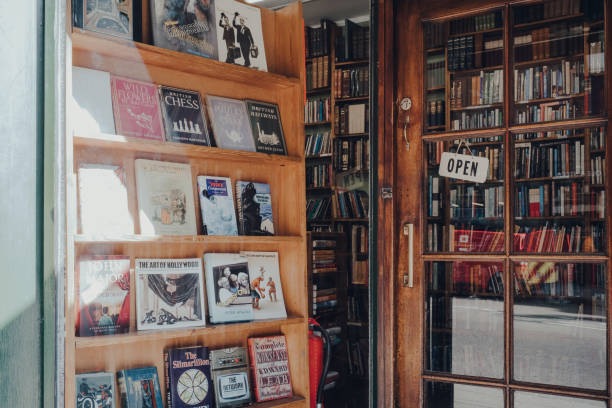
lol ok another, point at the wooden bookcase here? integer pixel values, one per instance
(283, 85)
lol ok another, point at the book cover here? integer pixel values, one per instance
(165, 198)
(92, 103)
(230, 375)
(136, 108)
(104, 295)
(266, 127)
(103, 200)
(270, 367)
(139, 388)
(185, 26)
(228, 288)
(266, 288)
(239, 34)
(169, 293)
(95, 390)
(254, 202)
(113, 17)
(230, 123)
(188, 380)
(183, 116)
(217, 205)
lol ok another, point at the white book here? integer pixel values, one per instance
(266, 287)
(356, 113)
(217, 205)
(92, 106)
(165, 198)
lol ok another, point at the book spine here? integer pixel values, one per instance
(253, 364)
(167, 379)
(121, 380)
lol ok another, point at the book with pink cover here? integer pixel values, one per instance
(136, 108)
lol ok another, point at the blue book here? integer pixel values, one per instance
(254, 201)
(139, 388)
(217, 205)
(188, 381)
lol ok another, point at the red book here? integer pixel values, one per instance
(270, 367)
(136, 109)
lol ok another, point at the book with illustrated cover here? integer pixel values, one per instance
(165, 198)
(169, 293)
(95, 390)
(136, 109)
(230, 123)
(188, 380)
(230, 375)
(240, 35)
(92, 103)
(185, 26)
(183, 116)
(266, 127)
(266, 288)
(254, 202)
(270, 367)
(113, 17)
(104, 295)
(228, 288)
(139, 388)
(217, 205)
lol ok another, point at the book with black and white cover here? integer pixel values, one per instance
(184, 119)
(266, 127)
(95, 390)
(266, 287)
(240, 34)
(165, 198)
(92, 103)
(228, 288)
(230, 123)
(112, 17)
(254, 202)
(169, 293)
(217, 205)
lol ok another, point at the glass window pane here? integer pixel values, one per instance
(465, 318)
(560, 324)
(448, 395)
(524, 399)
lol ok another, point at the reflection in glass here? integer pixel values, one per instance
(448, 395)
(465, 318)
(560, 324)
(524, 399)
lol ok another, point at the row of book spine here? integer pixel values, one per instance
(463, 237)
(318, 145)
(556, 40)
(550, 238)
(316, 41)
(473, 51)
(484, 88)
(317, 73)
(557, 200)
(546, 10)
(351, 119)
(547, 112)
(319, 175)
(564, 79)
(351, 154)
(352, 42)
(350, 204)
(356, 359)
(598, 170)
(597, 138)
(436, 71)
(317, 109)
(480, 119)
(436, 112)
(596, 57)
(480, 22)
(476, 202)
(350, 83)
(559, 279)
(558, 158)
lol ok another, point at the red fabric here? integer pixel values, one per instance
(315, 350)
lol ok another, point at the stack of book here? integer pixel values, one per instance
(350, 83)
(317, 73)
(323, 299)
(318, 145)
(317, 109)
(324, 260)
(319, 175)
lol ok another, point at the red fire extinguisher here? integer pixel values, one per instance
(319, 348)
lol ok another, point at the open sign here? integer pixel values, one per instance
(464, 167)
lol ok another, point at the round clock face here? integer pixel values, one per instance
(406, 104)
(192, 386)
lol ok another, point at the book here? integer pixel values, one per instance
(266, 287)
(230, 376)
(357, 121)
(266, 127)
(104, 295)
(188, 380)
(270, 366)
(217, 205)
(113, 17)
(95, 390)
(254, 202)
(183, 116)
(103, 200)
(165, 198)
(185, 26)
(92, 103)
(228, 288)
(169, 293)
(139, 388)
(240, 34)
(230, 123)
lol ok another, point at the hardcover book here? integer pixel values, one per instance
(92, 103)
(136, 108)
(183, 117)
(228, 288)
(188, 381)
(113, 17)
(96, 390)
(139, 388)
(239, 34)
(217, 205)
(165, 198)
(230, 377)
(254, 208)
(266, 288)
(266, 127)
(230, 123)
(185, 26)
(270, 366)
(169, 293)
(104, 295)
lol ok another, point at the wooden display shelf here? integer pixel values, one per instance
(555, 178)
(322, 123)
(547, 60)
(488, 30)
(547, 21)
(548, 139)
(474, 70)
(316, 91)
(553, 99)
(477, 107)
(352, 99)
(185, 239)
(354, 62)
(347, 136)
(293, 402)
(436, 89)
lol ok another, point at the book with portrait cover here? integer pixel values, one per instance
(266, 288)
(136, 108)
(113, 17)
(228, 288)
(254, 202)
(185, 26)
(266, 127)
(217, 205)
(169, 293)
(230, 123)
(270, 367)
(188, 380)
(92, 103)
(95, 390)
(104, 295)
(183, 116)
(139, 388)
(165, 198)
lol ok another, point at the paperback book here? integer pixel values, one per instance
(139, 388)
(113, 17)
(254, 208)
(230, 375)
(92, 103)
(188, 381)
(266, 127)
(270, 367)
(95, 390)
(217, 205)
(266, 288)
(183, 117)
(230, 123)
(169, 293)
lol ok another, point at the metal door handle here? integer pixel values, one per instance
(409, 279)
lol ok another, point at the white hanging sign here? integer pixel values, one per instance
(464, 167)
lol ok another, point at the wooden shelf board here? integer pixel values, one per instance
(552, 217)
(352, 219)
(352, 99)
(555, 178)
(546, 100)
(314, 91)
(489, 143)
(437, 49)
(474, 70)
(293, 402)
(354, 62)
(488, 30)
(548, 139)
(564, 124)
(548, 20)
(436, 89)
(477, 107)
(459, 134)
(184, 239)
(598, 185)
(347, 136)
(546, 60)
(597, 151)
(329, 156)
(323, 123)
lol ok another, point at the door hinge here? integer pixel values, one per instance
(386, 193)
